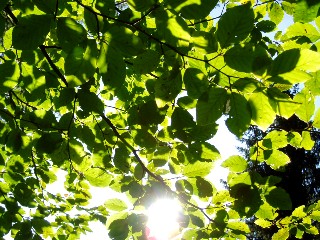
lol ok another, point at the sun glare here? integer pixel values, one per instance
(162, 219)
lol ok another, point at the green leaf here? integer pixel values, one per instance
(141, 5)
(282, 234)
(235, 163)
(285, 106)
(275, 158)
(143, 138)
(46, 6)
(70, 34)
(24, 195)
(307, 107)
(181, 119)
(275, 139)
(173, 30)
(193, 9)
(301, 30)
(195, 81)
(31, 31)
(315, 215)
(257, 59)
(204, 42)
(42, 226)
(80, 64)
(276, 13)
(266, 212)
(115, 204)
(299, 212)
(313, 84)
(305, 12)
(204, 187)
(266, 26)
(239, 114)
(125, 40)
(167, 87)
(294, 139)
(198, 168)
(285, 62)
(90, 102)
(14, 141)
(316, 122)
(119, 229)
(121, 159)
(204, 150)
(263, 223)
(211, 105)
(312, 230)
(238, 227)
(111, 66)
(49, 142)
(247, 198)
(307, 143)
(263, 113)
(98, 177)
(10, 74)
(309, 60)
(235, 179)
(235, 25)
(146, 62)
(278, 198)
(149, 114)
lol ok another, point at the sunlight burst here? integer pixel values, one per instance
(162, 219)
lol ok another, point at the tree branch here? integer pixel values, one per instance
(115, 131)
(53, 66)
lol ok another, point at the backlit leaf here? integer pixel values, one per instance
(115, 204)
(198, 168)
(193, 9)
(262, 111)
(282, 234)
(235, 164)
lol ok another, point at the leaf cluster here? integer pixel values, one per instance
(104, 90)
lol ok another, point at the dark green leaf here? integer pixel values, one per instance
(49, 142)
(235, 25)
(125, 40)
(204, 187)
(195, 81)
(278, 198)
(90, 102)
(146, 62)
(70, 34)
(211, 105)
(25, 195)
(29, 33)
(239, 114)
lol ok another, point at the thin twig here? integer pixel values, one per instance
(20, 100)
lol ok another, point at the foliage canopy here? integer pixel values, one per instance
(65, 62)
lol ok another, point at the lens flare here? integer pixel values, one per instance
(162, 219)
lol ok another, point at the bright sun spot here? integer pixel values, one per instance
(162, 219)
